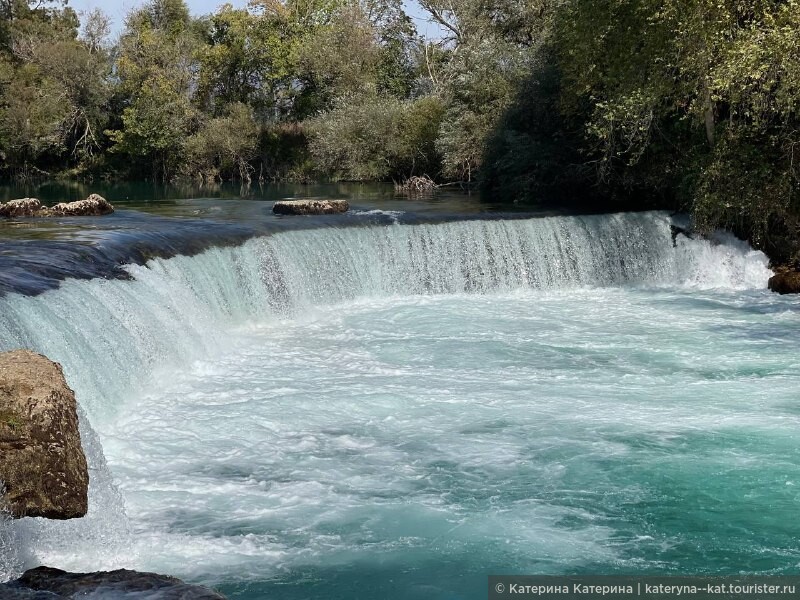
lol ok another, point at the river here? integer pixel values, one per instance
(399, 403)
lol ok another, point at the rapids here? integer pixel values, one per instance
(396, 411)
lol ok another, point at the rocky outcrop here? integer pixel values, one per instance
(310, 207)
(785, 282)
(42, 465)
(24, 207)
(58, 584)
(94, 205)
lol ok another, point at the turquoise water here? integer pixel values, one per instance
(416, 445)
(397, 412)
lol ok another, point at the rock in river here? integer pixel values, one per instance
(42, 465)
(94, 205)
(310, 207)
(785, 282)
(24, 207)
(56, 584)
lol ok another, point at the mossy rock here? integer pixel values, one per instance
(42, 465)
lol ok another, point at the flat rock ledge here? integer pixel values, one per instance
(310, 207)
(45, 582)
(42, 466)
(785, 282)
(94, 205)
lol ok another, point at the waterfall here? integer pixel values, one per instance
(111, 335)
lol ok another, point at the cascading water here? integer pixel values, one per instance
(124, 344)
(110, 335)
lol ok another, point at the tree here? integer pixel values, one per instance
(30, 121)
(156, 126)
(53, 88)
(157, 72)
(377, 138)
(223, 147)
(698, 99)
(95, 30)
(340, 58)
(477, 94)
(397, 41)
(249, 58)
(487, 53)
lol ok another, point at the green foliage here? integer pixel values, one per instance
(10, 419)
(30, 122)
(217, 97)
(82, 76)
(170, 17)
(156, 69)
(284, 153)
(479, 69)
(377, 138)
(397, 41)
(749, 186)
(156, 126)
(341, 57)
(679, 103)
(223, 147)
(482, 87)
(704, 92)
(361, 49)
(52, 88)
(534, 153)
(248, 58)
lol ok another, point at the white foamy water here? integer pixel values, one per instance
(335, 407)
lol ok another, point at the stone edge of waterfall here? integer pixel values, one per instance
(32, 267)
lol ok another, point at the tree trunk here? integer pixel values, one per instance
(708, 114)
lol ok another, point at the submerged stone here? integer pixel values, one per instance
(786, 282)
(310, 207)
(42, 465)
(54, 583)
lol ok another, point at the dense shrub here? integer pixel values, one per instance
(223, 147)
(377, 138)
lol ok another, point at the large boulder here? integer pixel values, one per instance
(113, 584)
(42, 465)
(310, 207)
(785, 282)
(94, 205)
(24, 207)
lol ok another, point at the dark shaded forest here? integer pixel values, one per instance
(683, 104)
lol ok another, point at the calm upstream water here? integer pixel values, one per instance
(396, 408)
